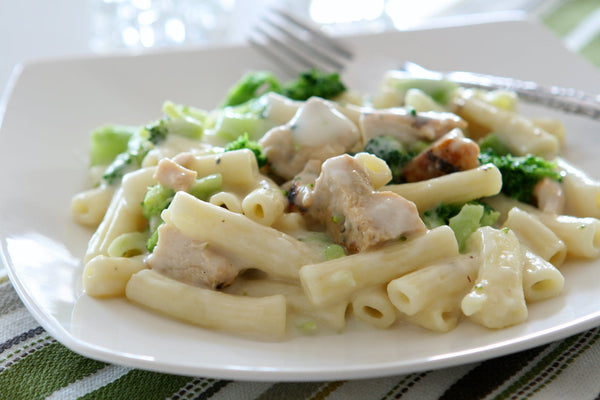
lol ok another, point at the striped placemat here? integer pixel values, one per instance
(33, 365)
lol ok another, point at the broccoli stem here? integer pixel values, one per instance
(128, 244)
(204, 187)
(108, 141)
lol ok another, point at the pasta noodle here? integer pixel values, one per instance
(496, 299)
(475, 183)
(372, 306)
(336, 280)
(260, 316)
(88, 208)
(536, 236)
(107, 276)
(580, 235)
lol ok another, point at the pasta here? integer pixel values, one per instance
(336, 280)
(425, 204)
(496, 299)
(261, 316)
(476, 183)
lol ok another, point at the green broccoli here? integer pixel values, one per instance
(184, 112)
(442, 214)
(521, 174)
(393, 152)
(157, 198)
(251, 86)
(464, 219)
(491, 143)
(314, 83)
(108, 141)
(145, 139)
(138, 146)
(439, 90)
(309, 83)
(206, 186)
(244, 142)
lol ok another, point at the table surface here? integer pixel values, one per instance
(35, 365)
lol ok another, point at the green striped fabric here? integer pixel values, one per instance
(33, 365)
(578, 23)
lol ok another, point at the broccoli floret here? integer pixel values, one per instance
(206, 186)
(138, 146)
(314, 83)
(244, 142)
(252, 85)
(108, 141)
(153, 239)
(464, 219)
(393, 152)
(310, 83)
(144, 140)
(157, 198)
(521, 174)
(440, 215)
(493, 144)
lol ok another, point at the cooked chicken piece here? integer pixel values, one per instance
(451, 153)
(408, 126)
(355, 215)
(174, 176)
(550, 196)
(191, 261)
(318, 131)
(299, 189)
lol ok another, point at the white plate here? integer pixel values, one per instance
(43, 154)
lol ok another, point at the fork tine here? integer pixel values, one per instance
(286, 67)
(285, 51)
(294, 46)
(319, 36)
(311, 50)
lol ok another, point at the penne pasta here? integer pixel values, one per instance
(372, 306)
(107, 276)
(496, 299)
(448, 279)
(582, 193)
(258, 316)
(88, 208)
(336, 280)
(541, 279)
(536, 236)
(483, 181)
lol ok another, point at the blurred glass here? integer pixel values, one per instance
(139, 24)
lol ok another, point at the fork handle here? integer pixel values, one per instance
(566, 99)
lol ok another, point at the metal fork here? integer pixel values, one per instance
(295, 46)
(569, 100)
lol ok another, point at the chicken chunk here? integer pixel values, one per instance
(549, 196)
(407, 126)
(451, 153)
(191, 261)
(355, 215)
(318, 131)
(174, 176)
